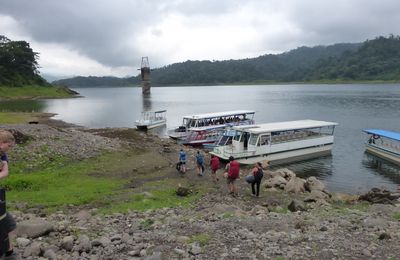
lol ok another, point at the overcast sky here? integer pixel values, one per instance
(103, 38)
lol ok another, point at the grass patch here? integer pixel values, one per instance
(16, 118)
(55, 187)
(396, 216)
(203, 239)
(228, 215)
(155, 195)
(279, 210)
(346, 208)
(33, 91)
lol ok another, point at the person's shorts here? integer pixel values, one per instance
(9, 223)
(230, 180)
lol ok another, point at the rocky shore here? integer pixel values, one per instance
(292, 219)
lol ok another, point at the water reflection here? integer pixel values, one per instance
(146, 102)
(320, 167)
(382, 167)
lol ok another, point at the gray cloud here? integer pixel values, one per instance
(117, 33)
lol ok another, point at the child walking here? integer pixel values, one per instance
(7, 141)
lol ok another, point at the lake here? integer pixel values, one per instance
(353, 106)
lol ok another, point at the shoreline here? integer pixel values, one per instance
(213, 225)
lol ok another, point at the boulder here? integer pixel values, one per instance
(316, 195)
(313, 183)
(376, 195)
(276, 181)
(295, 185)
(34, 228)
(296, 205)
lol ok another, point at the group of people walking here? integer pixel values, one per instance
(231, 172)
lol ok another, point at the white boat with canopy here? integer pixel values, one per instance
(213, 121)
(384, 144)
(151, 119)
(279, 142)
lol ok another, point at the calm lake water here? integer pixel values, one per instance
(353, 106)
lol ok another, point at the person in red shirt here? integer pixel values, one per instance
(233, 169)
(214, 167)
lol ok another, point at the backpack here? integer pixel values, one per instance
(259, 174)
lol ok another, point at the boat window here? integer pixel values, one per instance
(264, 140)
(253, 139)
(237, 136)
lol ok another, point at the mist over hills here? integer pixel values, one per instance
(377, 59)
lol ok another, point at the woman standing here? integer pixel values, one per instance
(258, 175)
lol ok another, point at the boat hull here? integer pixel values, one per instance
(284, 157)
(146, 126)
(384, 154)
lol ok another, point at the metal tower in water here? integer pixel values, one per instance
(145, 72)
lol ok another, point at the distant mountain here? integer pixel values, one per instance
(377, 59)
(97, 82)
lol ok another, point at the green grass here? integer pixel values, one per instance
(15, 118)
(203, 239)
(162, 195)
(396, 216)
(32, 91)
(56, 187)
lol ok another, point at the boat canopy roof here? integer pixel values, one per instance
(155, 112)
(220, 114)
(384, 133)
(284, 126)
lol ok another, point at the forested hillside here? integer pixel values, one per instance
(289, 66)
(377, 59)
(18, 64)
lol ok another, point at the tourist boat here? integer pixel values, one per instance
(151, 119)
(212, 120)
(224, 139)
(279, 142)
(384, 144)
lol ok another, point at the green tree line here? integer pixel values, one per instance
(18, 64)
(377, 59)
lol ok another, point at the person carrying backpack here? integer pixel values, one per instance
(233, 169)
(214, 167)
(258, 175)
(200, 163)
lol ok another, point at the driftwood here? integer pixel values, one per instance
(376, 195)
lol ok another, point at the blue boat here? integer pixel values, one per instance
(384, 144)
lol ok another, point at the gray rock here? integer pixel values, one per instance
(195, 249)
(34, 228)
(296, 205)
(313, 183)
(295, 185)
(67, 243)
(82, 215)
(32, 250)
(22, 242)
(50, 254)
(83, 244)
